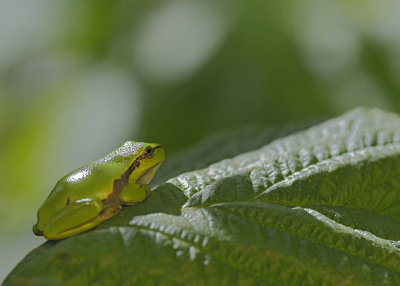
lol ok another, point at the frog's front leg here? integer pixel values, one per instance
(133, 194)
(74, 218)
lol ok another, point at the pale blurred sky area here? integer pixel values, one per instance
(78, 78)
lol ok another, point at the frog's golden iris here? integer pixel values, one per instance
(95, 192)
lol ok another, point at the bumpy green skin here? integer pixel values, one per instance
(95, 192)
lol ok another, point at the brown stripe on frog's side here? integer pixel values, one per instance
(123, 181)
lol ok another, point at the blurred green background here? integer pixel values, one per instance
(78, 78)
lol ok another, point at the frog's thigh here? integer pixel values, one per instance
(74, 218)
(134, 193)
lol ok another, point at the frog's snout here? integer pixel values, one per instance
(36, 230)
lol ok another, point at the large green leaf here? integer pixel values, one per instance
(320, 207)
(224, 145)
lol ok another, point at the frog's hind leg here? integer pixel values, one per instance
(75, 218)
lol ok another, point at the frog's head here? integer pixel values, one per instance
(151, 155)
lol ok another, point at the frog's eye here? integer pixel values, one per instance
(149, 151)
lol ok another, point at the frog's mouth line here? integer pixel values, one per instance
(136, 164)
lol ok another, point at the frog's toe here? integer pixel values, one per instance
(36, 230)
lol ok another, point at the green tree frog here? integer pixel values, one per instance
(97, 191)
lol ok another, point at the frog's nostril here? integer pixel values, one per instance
(36, 230)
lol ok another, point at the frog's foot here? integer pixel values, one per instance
(133, 194)
(36, 230)
(109, 212)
